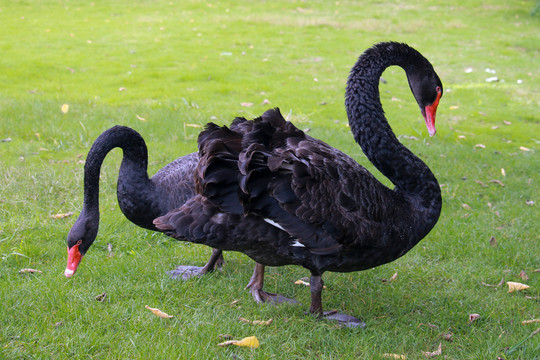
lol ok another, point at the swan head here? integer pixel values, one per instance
(427, 90)
(80, 238)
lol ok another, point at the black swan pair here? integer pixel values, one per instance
(266, 189)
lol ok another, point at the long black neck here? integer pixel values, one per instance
(371, 130)
(134, 186)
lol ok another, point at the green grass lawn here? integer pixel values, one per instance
(161, 67)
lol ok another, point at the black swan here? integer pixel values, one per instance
(268, 190)
(141, 199)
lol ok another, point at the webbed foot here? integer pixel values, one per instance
(344, 319)
(187, 272)
(261, 296)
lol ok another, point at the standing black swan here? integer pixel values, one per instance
(268, 190)
(141, 199)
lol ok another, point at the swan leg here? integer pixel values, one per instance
(316, 287)
(186, 272)
(256, 284)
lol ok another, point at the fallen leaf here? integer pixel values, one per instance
(507, 122)
(251, 342)
(234, 303)
(529, 202)
(433, 353)
(101, 297)
(461, 137)
(532, 297)
(6, 140)
(447, 337)
(466, 206)
(266, 101)
(481, 183)
(140, 117)
(496, 182)
(158, 312)
(30, 271)
(498, 285)
(246, 104)
(303, 282)
(473, 317)
(523, 148)
(64, 108)
(395, 356)
(493, 241)
(394, 277)
(533, 321)
(109, 251)
(122, 89)
(59, 323)
(256, 322)
(482, 146)
(61, 216)
(515, 286)
(523, 275)
(503, 172)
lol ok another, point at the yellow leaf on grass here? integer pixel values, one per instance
(158, 312)
(251, 342)
(64, 108)
(515, 286)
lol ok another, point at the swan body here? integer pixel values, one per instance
(268, 190)
(141, 199)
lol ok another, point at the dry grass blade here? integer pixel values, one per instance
(255, 322)
(394, 277)
(498, 285)
(395, 356)
(433, 353)
(30, 271)
(61, 216)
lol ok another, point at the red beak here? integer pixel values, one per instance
(429, 115)
(73, 261)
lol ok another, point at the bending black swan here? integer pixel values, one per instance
(141, 199)
(268, 190)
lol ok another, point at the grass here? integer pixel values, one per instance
(159, 65)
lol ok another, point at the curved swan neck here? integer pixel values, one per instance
(371, 130)
(133, 168)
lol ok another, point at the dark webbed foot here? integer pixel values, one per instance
(255, 286)
(261, 296)
(344, 319)
(187, 272)
(316, 287)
